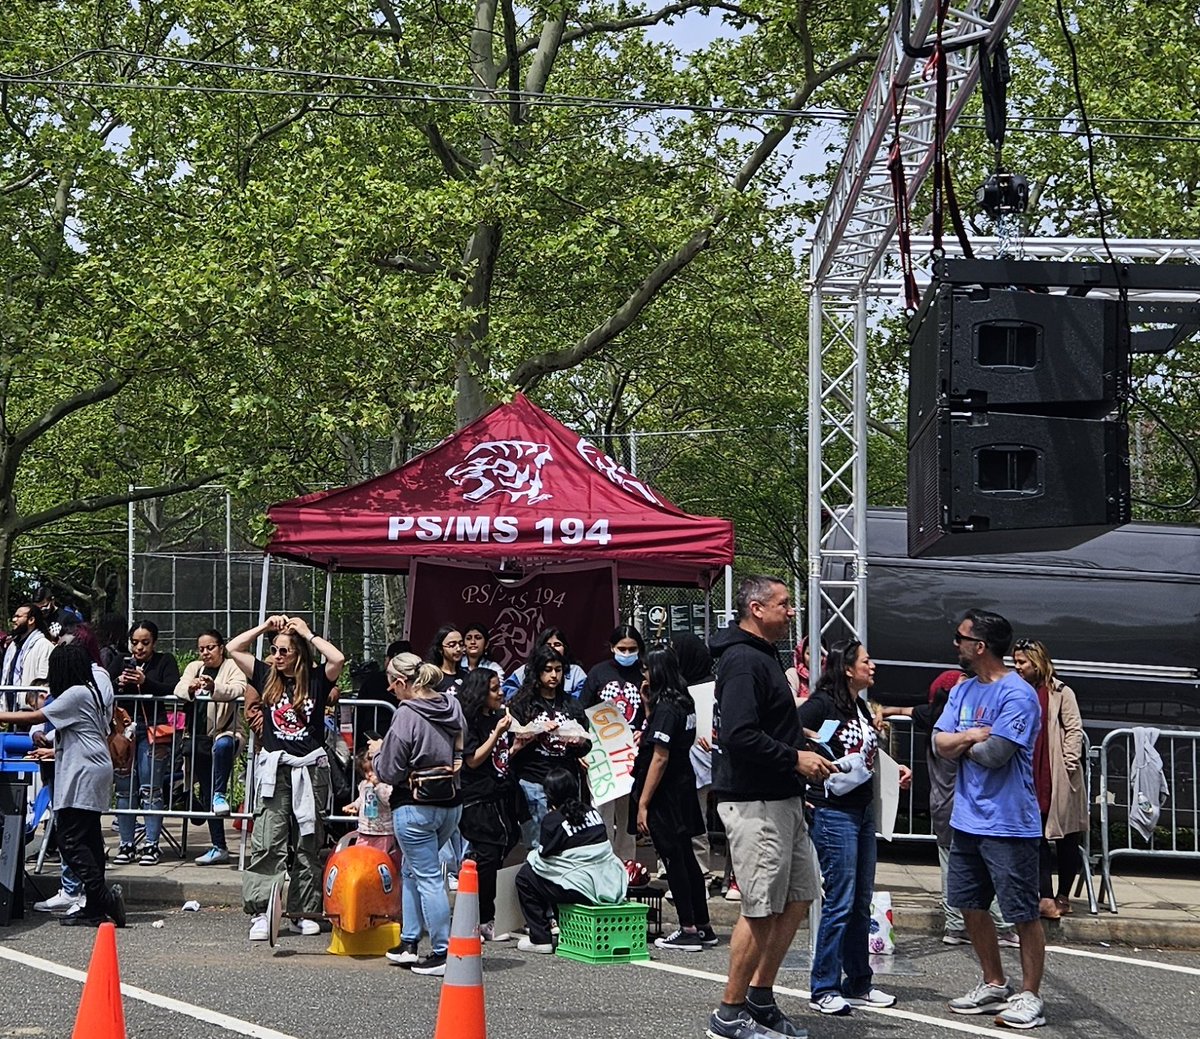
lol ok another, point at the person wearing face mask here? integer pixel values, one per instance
(618, 681)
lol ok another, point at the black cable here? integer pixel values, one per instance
(1187, 450)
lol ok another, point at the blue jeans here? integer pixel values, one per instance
(152, 772)
(212, 773)
(845, 843)
(451, 855)
(535, 796)
(421, 830)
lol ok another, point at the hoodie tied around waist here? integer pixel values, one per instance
(304, 801)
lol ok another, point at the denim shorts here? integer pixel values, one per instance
(1005, 868)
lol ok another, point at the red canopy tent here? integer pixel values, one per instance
(515, 487)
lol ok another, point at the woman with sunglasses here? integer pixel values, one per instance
(291, 774)
(215, 738)
(843, 831)
(1057, 775)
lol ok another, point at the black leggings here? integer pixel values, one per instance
(684, 877)
(82, 847)
(1068, 866)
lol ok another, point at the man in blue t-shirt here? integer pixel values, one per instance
(989, 726)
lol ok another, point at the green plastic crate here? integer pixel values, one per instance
(603, 934)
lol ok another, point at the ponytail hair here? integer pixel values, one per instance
(562, 793)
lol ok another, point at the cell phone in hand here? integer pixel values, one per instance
(128, 664)
(371, 735)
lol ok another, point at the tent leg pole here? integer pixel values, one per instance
(728, 595)
(262, 601)
(328, 602)
(707, 612)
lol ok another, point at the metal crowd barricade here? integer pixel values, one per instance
(1179, 817)
(175, 768)
(908, 747)
(350, 721)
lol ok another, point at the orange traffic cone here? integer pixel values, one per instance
(460, 1012)
(101, 1015)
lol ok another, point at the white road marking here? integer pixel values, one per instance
(950, 1023)
(1175, 967)
(211, 1017)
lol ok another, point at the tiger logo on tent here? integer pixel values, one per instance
(512, 467)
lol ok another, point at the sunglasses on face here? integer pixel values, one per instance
(960, 638)
(279, 651)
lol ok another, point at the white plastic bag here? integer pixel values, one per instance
(881, 939)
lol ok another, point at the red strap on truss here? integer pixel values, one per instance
(912, 296)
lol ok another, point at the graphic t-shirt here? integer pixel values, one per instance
(549, 751)
(855, 734)
(557, 835)
(450, 683)
(621, 686)
(996, 802)
(491, 778)
(284, 727)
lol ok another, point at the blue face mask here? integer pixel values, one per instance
(625, 659)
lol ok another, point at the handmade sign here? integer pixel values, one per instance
(610, 763)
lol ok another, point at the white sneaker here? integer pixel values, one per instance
(61, 902)
(306, 927)
(831, 1003)
(260, 930)
(1024, 1010)
(528, 945)
(874, 998)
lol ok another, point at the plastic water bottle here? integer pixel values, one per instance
(370, 804)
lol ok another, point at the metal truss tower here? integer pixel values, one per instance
(851, 241)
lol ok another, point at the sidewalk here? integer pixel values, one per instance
(1157, 908)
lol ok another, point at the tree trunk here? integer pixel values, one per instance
(6, 552)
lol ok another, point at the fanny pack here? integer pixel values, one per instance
(437, 785)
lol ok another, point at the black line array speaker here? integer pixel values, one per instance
(1015, 443)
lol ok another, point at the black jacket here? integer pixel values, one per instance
(755, 721)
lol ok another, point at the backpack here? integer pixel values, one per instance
(120, 746)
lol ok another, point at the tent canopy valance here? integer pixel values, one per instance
(514, 486)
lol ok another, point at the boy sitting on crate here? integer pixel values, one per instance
(574, 862)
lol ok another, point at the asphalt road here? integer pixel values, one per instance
(297, 991)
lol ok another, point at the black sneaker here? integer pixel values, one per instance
(741, 1027)
(775, 1020)
(404, 954)
(150, 855)
(680, 941)
(116, 911)
(80, 920)
(125, 855)
(708, 937)
(434, 963)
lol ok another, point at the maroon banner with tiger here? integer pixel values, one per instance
(580, 599)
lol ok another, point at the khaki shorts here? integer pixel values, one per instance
(771, 854)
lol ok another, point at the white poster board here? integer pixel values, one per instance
(704, 695)
(887, 794)
(610, 762)
(508, 907)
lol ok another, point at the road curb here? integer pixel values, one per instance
(1075, 929)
